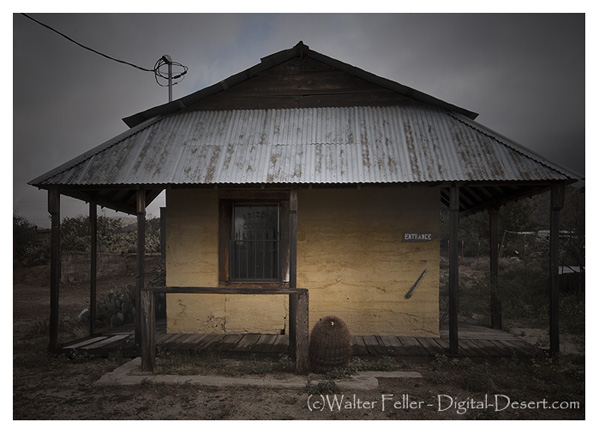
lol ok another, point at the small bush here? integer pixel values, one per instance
(325, 387)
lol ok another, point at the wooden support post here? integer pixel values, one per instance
(302, 332)
(148, 339)
(292, 270)
(557, 203)
(496, 321)
(141, 251)
(454, 209)
(163, 232)
(54, 210)
(93, 217)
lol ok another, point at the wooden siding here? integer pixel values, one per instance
(300, 83)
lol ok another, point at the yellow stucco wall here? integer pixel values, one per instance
(351, 258)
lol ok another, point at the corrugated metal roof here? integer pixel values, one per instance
(398, 144)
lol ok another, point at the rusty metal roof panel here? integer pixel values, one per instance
(395, 144)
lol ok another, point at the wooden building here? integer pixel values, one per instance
(306, 172)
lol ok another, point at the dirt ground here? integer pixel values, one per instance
(48, 386)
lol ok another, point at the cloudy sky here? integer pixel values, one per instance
(523, 74)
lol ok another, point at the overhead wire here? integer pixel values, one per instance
(156, 70)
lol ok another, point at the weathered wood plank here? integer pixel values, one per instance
(127, 341)
(494, 348)
(195, 340)
(391, 344)
(281, 344)
(387, 350)
(104, 342)
(171, 337)
(373, 346)
(228, 342)
(470, 349)
(85, 342)
(358, 347)
(430, 345)
(265, 343)
(248, 342)
(211, 342)
(442, 342)
(401, 349)
(412, 346)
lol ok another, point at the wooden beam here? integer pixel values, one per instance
(141, 251)
(265, 290)
(302, 332)
(557, 203)
(496, 321)
(163, 232)
(454, 212)
(148, 326)
(54, 210)
(293, 307)
(93, 218)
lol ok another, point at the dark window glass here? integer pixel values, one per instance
(255, 243)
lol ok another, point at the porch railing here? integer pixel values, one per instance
(298, 319)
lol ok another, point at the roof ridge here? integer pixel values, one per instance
(94, 151)
(515, 146)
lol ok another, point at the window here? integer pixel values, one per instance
(255, 243)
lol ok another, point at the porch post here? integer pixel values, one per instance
(454, 209)
(141, 250)
(93, 217)
(495, 306)
(54, 210)
(148, 339)
(557, 203)
(302, 338)
(292, 269)
(299, 332)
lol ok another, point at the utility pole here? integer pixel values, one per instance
(167, 59)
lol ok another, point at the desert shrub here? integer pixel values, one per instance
(30, 248)
(117, 307)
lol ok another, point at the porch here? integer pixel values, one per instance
(475, 342)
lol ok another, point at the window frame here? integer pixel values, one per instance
(227, 200)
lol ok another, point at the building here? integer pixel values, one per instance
(304, 171)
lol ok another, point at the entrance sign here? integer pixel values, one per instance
(419, 236)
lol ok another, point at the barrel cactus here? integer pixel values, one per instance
(330, 345)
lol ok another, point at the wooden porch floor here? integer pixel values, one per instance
(474, 342)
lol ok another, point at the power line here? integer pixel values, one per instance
(156, 70)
